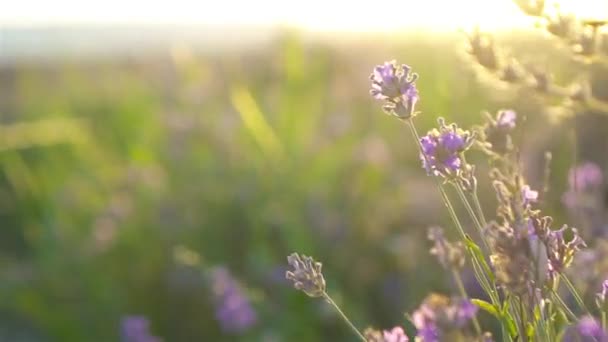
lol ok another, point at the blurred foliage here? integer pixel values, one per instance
(111, 169)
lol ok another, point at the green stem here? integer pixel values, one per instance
(574, 292)
(471, 212)
(348, 322)
(564, 307)
(479, 209)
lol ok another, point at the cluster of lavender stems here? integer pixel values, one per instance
(518, 259)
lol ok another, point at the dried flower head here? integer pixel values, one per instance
(306, 275)
(442, 150)
(511, 257)
(495, 138)
(394, 335)
(450, 255)
(395, 84)
(561, 253)
(483, 49)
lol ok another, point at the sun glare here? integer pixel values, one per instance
(323, 15)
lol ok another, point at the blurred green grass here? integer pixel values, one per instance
(108, 167)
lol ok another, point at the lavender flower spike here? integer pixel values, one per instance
(136, 329)
(306, 275)
(234, 312)
(396, 86)
(588, 329)
(442, 150)
(395, 335)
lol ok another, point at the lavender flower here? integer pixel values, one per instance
(442, 150)
(529, 195)
(438, 315)
(588, 329)
(561, 253)
(585, 177)
(505, 119)
(396, 86)
(306, 275)
(511, 257)
(495, 138)
(136, 329)
(450, 255)
(233, 310)
(395, 335)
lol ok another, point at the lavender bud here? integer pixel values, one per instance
(306, 275)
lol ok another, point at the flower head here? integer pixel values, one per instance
(136, 329)
(442, 150)
(450, 255)
(588, 329)
(394, 335)
(439, 314)
(233, 310)
(495, 137)
(561, 253)
(505, 119)
(395, 85)
(306, 275)
(585, 177)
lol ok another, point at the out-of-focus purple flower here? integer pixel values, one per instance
(395, 335)
(136, 329)
(529, 195)
(395, 85)
(438, 315)
(585, 177)
(233, 310)
(441, 150)
(588, 329)
(450, 255)
(465, 311)
(602, 294)
(505, 119)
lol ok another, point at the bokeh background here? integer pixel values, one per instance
(158, 162)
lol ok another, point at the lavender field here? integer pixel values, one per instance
(154, 190)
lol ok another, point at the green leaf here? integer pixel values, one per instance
(487, 307)
(479, 255)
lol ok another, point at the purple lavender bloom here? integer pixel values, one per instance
(585, 177)
(441, 150)
(505, 119)
(395, 335)
(529, 195)
(233, 310)
(439, 314)
(396, 86)
(588, 329)
(602, 294)
(465, 311)
(136, 329)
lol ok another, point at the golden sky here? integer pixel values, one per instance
(322, 15)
